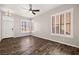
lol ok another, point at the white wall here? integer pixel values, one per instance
(42, 26)
(0, 26)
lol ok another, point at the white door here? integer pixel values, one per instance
(7, 27)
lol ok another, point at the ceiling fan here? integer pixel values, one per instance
(32, 10)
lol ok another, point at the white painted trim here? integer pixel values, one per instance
(55, 24)
(59, 23)
(65, 43)
(71, 36)
(58, 41)
(72, 23)
(62, 35)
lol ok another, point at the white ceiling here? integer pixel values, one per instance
(18, 8)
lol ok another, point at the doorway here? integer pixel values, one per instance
(7, 27)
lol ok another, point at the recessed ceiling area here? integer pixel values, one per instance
(18, 9)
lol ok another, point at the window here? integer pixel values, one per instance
(62, 23)
(25, 25)
(57, 24)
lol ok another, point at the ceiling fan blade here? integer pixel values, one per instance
(33, 13)
(36, 10)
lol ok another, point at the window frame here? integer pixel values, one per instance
(71, 25)
(27, 25)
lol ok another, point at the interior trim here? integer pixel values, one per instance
(57, 41)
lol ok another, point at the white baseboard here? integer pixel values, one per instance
(66, 43)
(58, 41)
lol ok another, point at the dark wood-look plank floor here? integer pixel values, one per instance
(31, 45)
